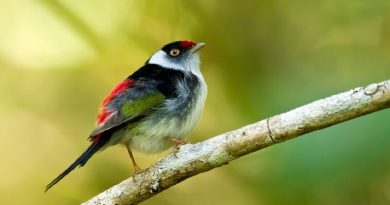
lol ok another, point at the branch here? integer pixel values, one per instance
(193, 159)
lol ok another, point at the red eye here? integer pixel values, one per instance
(174, 52)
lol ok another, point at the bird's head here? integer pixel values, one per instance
(178, 55)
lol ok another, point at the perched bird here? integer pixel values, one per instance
(152, 109)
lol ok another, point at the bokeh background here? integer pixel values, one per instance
(58, 59)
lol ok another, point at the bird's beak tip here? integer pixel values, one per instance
(198, 46)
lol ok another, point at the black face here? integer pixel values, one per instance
(177, 48)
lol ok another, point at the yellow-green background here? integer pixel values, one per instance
(58, 59)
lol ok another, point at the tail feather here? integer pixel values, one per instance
(82, 159)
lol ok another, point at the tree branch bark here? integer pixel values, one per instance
(193, 159)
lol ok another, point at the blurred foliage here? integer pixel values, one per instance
(58, 59)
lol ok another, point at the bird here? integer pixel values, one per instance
(153, 109)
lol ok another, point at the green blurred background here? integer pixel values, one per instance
(58, 59)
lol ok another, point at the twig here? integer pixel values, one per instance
(193, 159)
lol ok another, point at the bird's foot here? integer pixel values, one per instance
(136, 168)
(136, 171)
(178, 144)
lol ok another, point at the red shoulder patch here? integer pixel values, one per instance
(185, 44)
(103, 113)
(118, 89)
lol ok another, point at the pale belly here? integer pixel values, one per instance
(151, 133)
(152, 137)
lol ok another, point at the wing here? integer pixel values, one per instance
(128, 100)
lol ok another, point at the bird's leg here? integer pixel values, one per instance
(137, 169)
(178, 143)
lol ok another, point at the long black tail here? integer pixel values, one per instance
(91, 150)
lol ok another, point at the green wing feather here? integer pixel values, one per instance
(131, 109)
(142, 104)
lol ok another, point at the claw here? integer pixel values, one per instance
(137, 170)
(178, 144)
